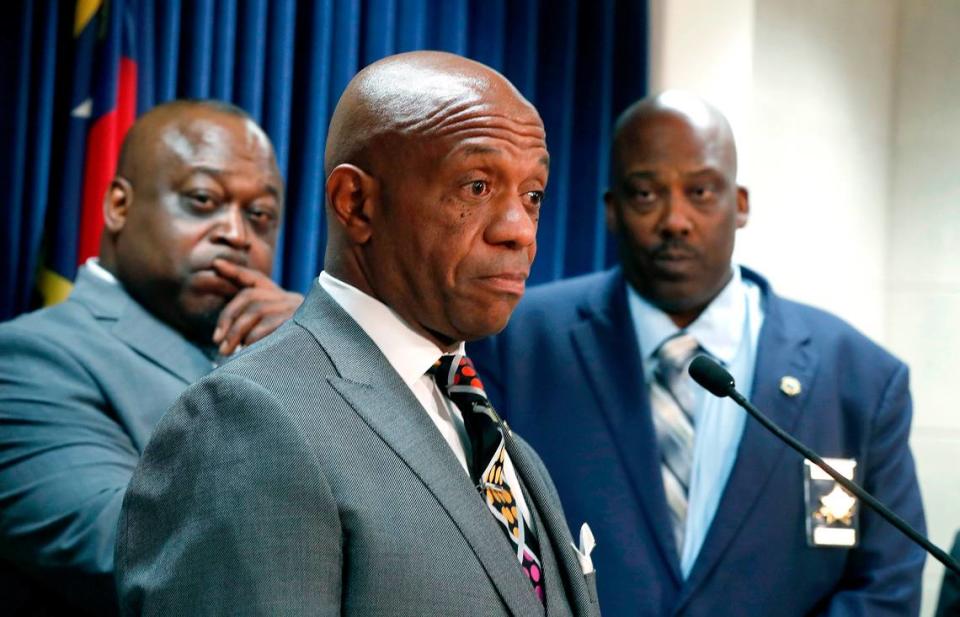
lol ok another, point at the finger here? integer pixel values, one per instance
(238, 331)
(242, 275)
(231, 311)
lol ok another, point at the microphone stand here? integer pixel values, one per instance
(852, 487)
(715, 379)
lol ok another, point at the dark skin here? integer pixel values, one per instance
(674, 204)
(191, 221)
(433, 199)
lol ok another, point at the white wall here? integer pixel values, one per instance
(706, 47)
(923, 259)
(823, 92)
(847, 114)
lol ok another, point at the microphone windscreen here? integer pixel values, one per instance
(709, 374)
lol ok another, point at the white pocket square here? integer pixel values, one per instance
(587, 544)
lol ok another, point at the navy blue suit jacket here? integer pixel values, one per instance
(567, 374)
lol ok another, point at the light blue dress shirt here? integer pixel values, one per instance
(728, 330)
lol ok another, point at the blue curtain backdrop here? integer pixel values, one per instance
(286, 62)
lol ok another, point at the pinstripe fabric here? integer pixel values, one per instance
(672, 402)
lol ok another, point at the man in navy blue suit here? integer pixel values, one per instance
(696, 510)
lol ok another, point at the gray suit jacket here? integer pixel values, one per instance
(304, 478)
(81, 386)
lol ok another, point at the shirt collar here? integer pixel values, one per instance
(93, 264)
(410, 353)
(719, 329)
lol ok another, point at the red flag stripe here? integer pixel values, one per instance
(103, 147)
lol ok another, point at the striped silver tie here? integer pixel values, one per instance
(672, 399)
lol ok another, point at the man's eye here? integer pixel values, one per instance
(641, 194)
(535, 198)
(259, 215)
(478, 188)
(201, 200)
(701, 193)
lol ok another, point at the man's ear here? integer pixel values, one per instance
(743, 206)
(116, 204)
(354, 196)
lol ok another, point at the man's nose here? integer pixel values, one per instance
(676, 215)
(514, 226)
(231, 228)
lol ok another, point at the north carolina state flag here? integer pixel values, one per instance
(103, 106)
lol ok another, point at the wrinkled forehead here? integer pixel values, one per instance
(415, 101)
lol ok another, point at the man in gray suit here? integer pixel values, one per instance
(334, 469)
(190, 227)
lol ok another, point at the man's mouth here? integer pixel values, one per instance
(237, 258)
(673, 253)
(507, 282)
(207, 280)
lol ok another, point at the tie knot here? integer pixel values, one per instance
(457, 379)
(455, 373)
(676, 352)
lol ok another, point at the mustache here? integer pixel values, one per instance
(672, 247)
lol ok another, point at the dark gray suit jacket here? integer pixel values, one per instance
(304, 478)
(81, 386)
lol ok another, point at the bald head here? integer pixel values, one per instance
(674, 203)
(417, 95)
(436, 167)
(678, 109)
(166, 130)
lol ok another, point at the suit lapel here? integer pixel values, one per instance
(607, 332)
(561, 567)
(782, 350)
(137, 328)
(375, 391)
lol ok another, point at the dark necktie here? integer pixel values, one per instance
(458, 379)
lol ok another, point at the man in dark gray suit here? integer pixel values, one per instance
(334, 469)
(190, 227)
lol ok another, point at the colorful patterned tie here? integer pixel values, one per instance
(672, 399)
(458, 379)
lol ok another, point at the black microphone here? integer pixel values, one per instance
(719, 382)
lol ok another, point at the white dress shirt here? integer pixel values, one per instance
(93, 264)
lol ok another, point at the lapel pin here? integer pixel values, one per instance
(790, 385)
